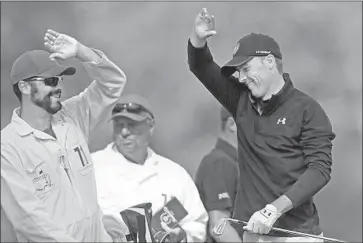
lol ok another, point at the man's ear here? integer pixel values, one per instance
(231, 124)
(153, 126)
(270, 61)
(24, 87)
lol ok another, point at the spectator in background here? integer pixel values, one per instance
(128, 173)
(217, 180)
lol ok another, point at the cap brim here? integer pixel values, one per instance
(59, 71)
(230, 67)
(131, 116)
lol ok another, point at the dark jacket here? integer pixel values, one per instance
(285, 150)
(217, 179)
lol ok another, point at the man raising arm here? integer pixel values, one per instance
(48, 189)
(284, 136)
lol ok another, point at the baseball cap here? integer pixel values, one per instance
(37, 63)
(132, 106)
(225, 114)
(249, 46)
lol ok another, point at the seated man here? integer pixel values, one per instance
(129, 173)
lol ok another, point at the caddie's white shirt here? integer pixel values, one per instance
(48, 189)
(122, 184)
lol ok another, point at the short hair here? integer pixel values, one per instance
(279, 65)
(17, 91)
(224, 123)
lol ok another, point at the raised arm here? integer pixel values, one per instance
(97, 100)
(226, 90)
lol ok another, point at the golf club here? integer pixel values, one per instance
(221, 225)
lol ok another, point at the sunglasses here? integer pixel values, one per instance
(52, 81)
(130, 108)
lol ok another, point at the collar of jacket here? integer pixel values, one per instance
(128, 169)
(269, 106)
(227, 148)
(151, 158)
(24, 129)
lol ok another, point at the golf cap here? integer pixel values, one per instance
(37, 63)
(250, 46)
(133, 107)
(225, 114)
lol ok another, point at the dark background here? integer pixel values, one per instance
(321, 44)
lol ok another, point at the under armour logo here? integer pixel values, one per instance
(281, 120)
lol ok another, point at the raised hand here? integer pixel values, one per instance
(60, 45)
(204, 25)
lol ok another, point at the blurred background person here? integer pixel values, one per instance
(128, 172)
(217, 180)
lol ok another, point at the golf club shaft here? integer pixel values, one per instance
(291, 232)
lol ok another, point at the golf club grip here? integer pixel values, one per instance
(294, 232)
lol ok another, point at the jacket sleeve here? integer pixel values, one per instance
(226, 90)
(316, 144)
(195, 223)
(23, 209)
(98, 99)
(109, 201)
